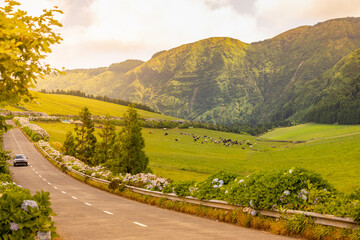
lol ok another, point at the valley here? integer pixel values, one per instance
(335, 157)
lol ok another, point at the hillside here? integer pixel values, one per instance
(72, 105)
(340, 101)
(225, 80)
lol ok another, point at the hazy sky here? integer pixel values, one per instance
(97, 33)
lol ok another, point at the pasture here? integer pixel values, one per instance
(72, 105)
(336, 157)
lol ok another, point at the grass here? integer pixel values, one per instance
(72, 105)
(310, 131)
(336, 157)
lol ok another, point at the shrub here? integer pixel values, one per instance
(181, 188)
(114, 184)
(36, 137)
(268, 189)
(4, 177)
(214, 187)
(23, 216)
(121, 187)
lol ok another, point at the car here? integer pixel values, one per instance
(20, 159)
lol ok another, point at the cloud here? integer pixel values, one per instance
(98, 33)
(280, 15)
(145, 27)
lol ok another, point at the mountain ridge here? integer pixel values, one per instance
(225, 80)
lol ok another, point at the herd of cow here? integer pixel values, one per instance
(225, 141)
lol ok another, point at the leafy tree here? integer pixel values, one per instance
(69, 145)
(24, 42)
(85, 140)
(104, 148)
(129, 156)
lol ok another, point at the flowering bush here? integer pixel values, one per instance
(23, 216)
(145, 180)
(32, 130)
(269, 189)
(181, 188)
(56, 155)
(214, 187)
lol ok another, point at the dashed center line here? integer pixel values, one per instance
(108, 212)
(142, 225)
(49, 183)
(39, 175)
(63, 192)
(55, 187)
(74, 197)
(88, 204)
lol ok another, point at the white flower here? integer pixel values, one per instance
(216, 180)
(43, 235)
(221, 182)
(304, 197)
(286, 192)
(304, 191)
(242, 180)
(27, 203)
(14, 226)
(251, 203)
(290, 171)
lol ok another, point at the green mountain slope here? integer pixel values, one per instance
(225, 80)
(340, 101)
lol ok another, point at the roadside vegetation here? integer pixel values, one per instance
(25, 42)
(276, 189)
(335, 158)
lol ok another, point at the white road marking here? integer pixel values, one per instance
(108, 212)
(39, 175)
(63, 192)
(74, 197)
(44, 179)
(88, 204)
(142, 225)
(55, 187)
(49, 183)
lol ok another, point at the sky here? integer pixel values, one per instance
(97, 33)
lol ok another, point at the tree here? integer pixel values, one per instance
(85, 140)
(129, 156)
(105, 147)
(69, 145)
(24, 42)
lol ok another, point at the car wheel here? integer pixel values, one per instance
(14, 165)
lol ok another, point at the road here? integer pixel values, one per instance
(84, 212)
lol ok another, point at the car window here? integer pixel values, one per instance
(19, 156)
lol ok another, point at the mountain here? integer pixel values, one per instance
(225, 80)
(340, 101)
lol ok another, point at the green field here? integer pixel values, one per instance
(306, 132)
(336, 157)
(72, 105)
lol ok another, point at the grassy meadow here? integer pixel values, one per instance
(72, 105)
(309, 131)
(334, 152)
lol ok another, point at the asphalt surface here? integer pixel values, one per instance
(84, 212)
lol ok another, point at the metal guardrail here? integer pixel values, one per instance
(322, 219)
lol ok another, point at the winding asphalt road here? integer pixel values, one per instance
(84, 212)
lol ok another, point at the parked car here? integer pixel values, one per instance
(20, 159)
